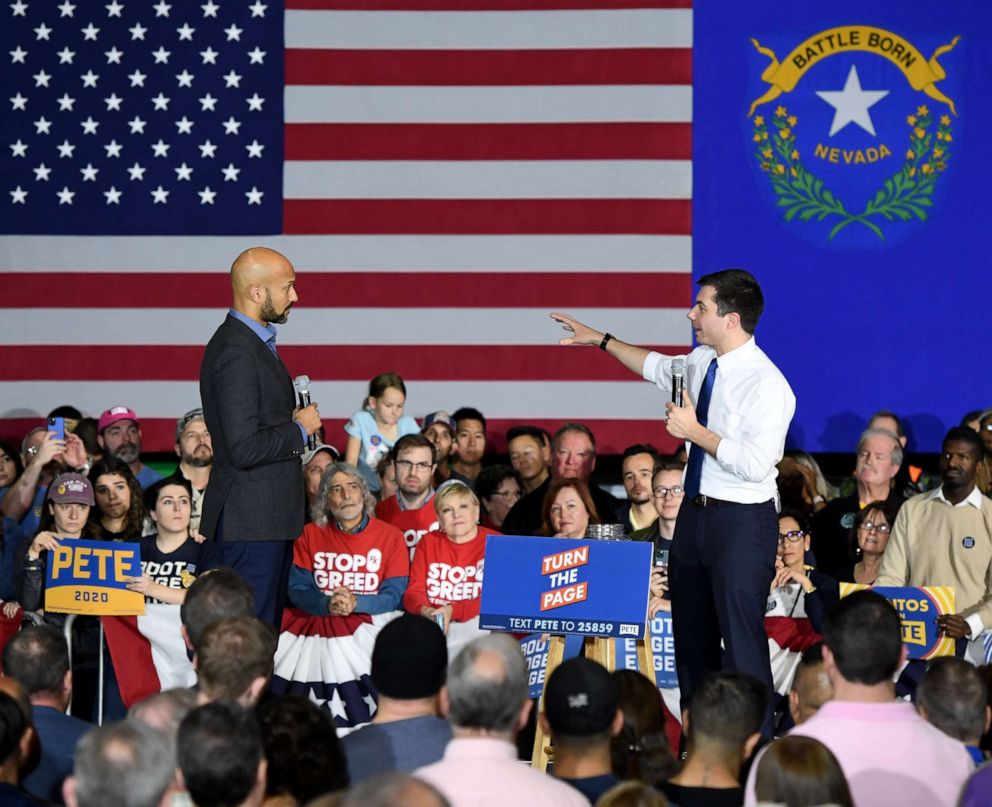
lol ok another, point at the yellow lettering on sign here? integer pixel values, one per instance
(61, 560)
(123, 561)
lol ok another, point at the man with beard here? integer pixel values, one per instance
(255, 501)
(943, 538)
(119, 434)
(196, 455)
(636, 472)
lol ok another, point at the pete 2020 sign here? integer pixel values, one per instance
(918, 608)
(90, 577)
(566, 586)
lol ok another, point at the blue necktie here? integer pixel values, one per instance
(694, 470)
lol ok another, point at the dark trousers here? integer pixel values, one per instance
(265, 567)
(720, 570)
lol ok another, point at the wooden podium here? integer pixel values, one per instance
(598, 649)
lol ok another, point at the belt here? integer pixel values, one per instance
(703, 500)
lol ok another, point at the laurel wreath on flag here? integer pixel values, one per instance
(906, 194)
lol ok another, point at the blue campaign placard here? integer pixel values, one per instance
(662, 648)
(566, 586)
(90, 577)
(535, 650)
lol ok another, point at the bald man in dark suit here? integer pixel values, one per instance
(254, 504)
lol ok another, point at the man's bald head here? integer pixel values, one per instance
(263, 280)
(811, 687)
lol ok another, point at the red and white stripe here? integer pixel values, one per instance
(451, 176)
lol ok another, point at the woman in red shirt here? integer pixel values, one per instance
(447, 567)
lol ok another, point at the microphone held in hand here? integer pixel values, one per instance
(302, 385)
(678, 380)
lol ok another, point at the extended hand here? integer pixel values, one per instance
(581, 334)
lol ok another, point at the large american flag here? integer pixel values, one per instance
(441, 178)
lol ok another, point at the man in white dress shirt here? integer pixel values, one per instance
(723, 556)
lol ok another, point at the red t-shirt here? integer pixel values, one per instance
(359, 562)
(446, 573)
(414, 524)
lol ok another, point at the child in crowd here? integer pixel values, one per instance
(374, 430)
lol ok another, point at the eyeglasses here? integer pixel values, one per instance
(791, 537)
(881, 529)
(32, 450)
(419, 467)
(661, 493)
(987, 427)
(510, 494)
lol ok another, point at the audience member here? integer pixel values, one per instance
(386, 472)
(119, 514)
(801, 772)
(86, 431)
(487, 704)
(119, 434)
(65, 518)
(376, 428)
(234, 660)
(667, 496)
(573, 456)
(11, 467)
(409, 663)
(196, 456)
(637, 466)
(439, 428)
(126, 764)
(447, 568)
(810, 686)
(872, 526)
(470, 445)
(911, 479)
(389, 790)
(529, 448)
(953, 697)
(879, 457)
(632, 794)
(164, 711)
(641, 750)
(984, 430)
(38, 657)
(220, 594)
(315, 464)
(498, 487)
(44, 457)
(582, 715)
(798, 590)
(170, 559)
(568, 509)
(411, 509)
(305, 758)
(16, 738)
(221, 757)
(347, 562)
(944, 538)
(888, 753)
(723, 727)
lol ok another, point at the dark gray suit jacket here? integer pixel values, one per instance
(256, 480)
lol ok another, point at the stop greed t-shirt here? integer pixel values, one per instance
(414, 524)
(446, 573)
(177, 569)
(358, 562)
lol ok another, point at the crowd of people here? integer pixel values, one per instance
(425, 707)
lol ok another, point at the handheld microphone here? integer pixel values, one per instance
(678, 380)
(302, 385)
